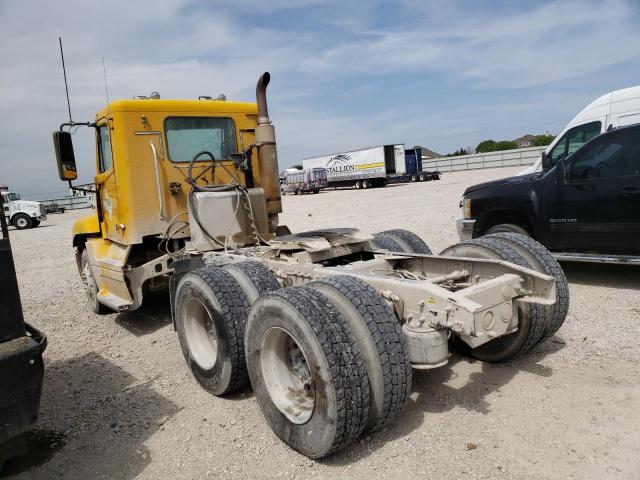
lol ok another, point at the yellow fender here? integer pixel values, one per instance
(84, 227)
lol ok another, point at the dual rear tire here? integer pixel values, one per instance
(536, 322)
(327, 361)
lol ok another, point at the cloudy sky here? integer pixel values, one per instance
(345, 74)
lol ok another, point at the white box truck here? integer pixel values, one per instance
(615, 109)
(364, 168)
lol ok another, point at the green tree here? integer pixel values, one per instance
(505, 145)
(486, 146)
(297, 165)
(543, 140)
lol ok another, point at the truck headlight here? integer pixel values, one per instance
(466, 208)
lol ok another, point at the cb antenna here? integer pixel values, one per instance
(106, 88)
(66, 87)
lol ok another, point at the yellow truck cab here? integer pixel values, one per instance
(144, 148)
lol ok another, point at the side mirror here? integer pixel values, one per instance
(63, 147)
(546, 161)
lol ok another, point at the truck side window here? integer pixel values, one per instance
(574, 139)
(106, 162)
(613, 156)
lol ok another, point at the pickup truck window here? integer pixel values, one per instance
(187, 136)
(612, 156)
(574, 139)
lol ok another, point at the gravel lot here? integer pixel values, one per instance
(119, 402)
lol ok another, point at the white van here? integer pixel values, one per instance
(615, 109)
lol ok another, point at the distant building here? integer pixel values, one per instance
(525, 141)
(428, 154)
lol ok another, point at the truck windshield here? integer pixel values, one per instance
(187, 136)
(10, 197)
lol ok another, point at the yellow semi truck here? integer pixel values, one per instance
(326, 325)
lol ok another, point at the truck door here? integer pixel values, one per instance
(106, 183)
(598, 207)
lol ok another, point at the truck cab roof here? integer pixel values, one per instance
(214, 107)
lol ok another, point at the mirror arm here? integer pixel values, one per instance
(75, 124)
(79, 189)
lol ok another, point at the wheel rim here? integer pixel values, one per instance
(286, 375)
(21, 222)
(200, 334)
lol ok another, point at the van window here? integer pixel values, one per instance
(573, 140)
(612, 156)
(106, 161)
(188, 136)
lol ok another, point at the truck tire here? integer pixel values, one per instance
(306, 371)
(422, 177)
(409, 242)
(387, 243)
(36, 223)
(210, 314)
(380, 340)
(531, 315)
(90, 286)
(254, 278)
(22, 221)
(414, 178)
(365, 184)
(542, 261)
(508, 228)
(358, 184)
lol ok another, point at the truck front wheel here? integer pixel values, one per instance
(90, 285)
(508, 228)
(22, 221)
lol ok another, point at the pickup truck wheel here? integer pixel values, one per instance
(380, 340)
(531, 316)
(508, 228)
(22, 221)
(408, 241)
(210, 315)
(306, 371)
(90, 285)
(542, 261)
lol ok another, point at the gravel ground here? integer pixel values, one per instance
(119, 402)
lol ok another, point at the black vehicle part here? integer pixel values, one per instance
(306, 371)
(408, 241)
(210, 311)
(531, 316)
(380, 340)
(543, 261)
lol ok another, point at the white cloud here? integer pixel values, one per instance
(185, 49)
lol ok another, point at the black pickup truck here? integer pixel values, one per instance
(584, 207)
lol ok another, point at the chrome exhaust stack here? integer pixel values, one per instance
(267, 154)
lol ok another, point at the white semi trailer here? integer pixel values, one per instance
(364, 168)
